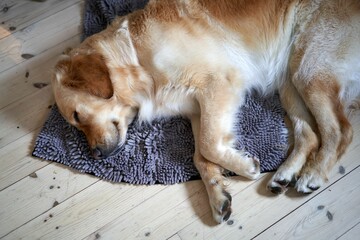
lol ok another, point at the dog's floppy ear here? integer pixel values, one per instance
(87, 72)
(63, 63)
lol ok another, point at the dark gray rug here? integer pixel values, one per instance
(160, 152)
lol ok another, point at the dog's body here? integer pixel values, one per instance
(199, 58)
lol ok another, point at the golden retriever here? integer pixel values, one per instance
(199, 58)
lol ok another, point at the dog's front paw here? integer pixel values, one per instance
(251, 168)
(221, 206)
(309, 182)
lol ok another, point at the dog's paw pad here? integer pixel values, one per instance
(276, 187)
(277, 190)
(221, 208)
(226, 211)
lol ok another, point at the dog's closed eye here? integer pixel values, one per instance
(76, 117)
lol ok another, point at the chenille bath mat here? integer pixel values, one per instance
(160, 152)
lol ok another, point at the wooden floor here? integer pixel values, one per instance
(44, 200)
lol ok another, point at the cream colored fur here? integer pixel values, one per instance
(200, 58)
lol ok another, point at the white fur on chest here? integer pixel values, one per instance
(168, 102)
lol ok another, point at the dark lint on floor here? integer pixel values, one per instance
(26, 55)
(320, 207)
(341, 170)
(33, 175)
(329, 215)
(230, 222)
(40, 85)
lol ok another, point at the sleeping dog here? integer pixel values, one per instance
(199, 58)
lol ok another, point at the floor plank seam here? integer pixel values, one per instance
(125, 212)
(302, 204)
(50, 163)
(42, 213)
(347, 231)
(34, 131)
(42, 19)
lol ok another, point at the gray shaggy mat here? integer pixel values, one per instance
(160, 152)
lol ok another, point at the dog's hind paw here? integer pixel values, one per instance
(309, 182)
(277, 187)
(281, 180)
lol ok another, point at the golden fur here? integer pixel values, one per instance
(199, 58)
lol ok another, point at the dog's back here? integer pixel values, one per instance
(189, 40)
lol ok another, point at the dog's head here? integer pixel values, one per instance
(84, 94)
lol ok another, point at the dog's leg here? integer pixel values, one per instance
(219, 103)
(321, 95)
(211, 174)
(305, 140)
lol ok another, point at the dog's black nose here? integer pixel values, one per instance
(97, 153)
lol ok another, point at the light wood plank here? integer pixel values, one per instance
(15, 160)
(20, 14)
(256, 209)
(325, 217)
(85, 212)
(38, 193)
(24, 116)
(17, 83)
(5, 6)
(41, 36)
(352, 234)
(155, 218)
(145, 220)
(175, 237)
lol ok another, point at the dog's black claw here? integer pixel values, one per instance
(225, 210)
(283, 182)
(225, 206)
(227, 216)
(227, 195)
(302, 192)
(276, 190)
(313, 188)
